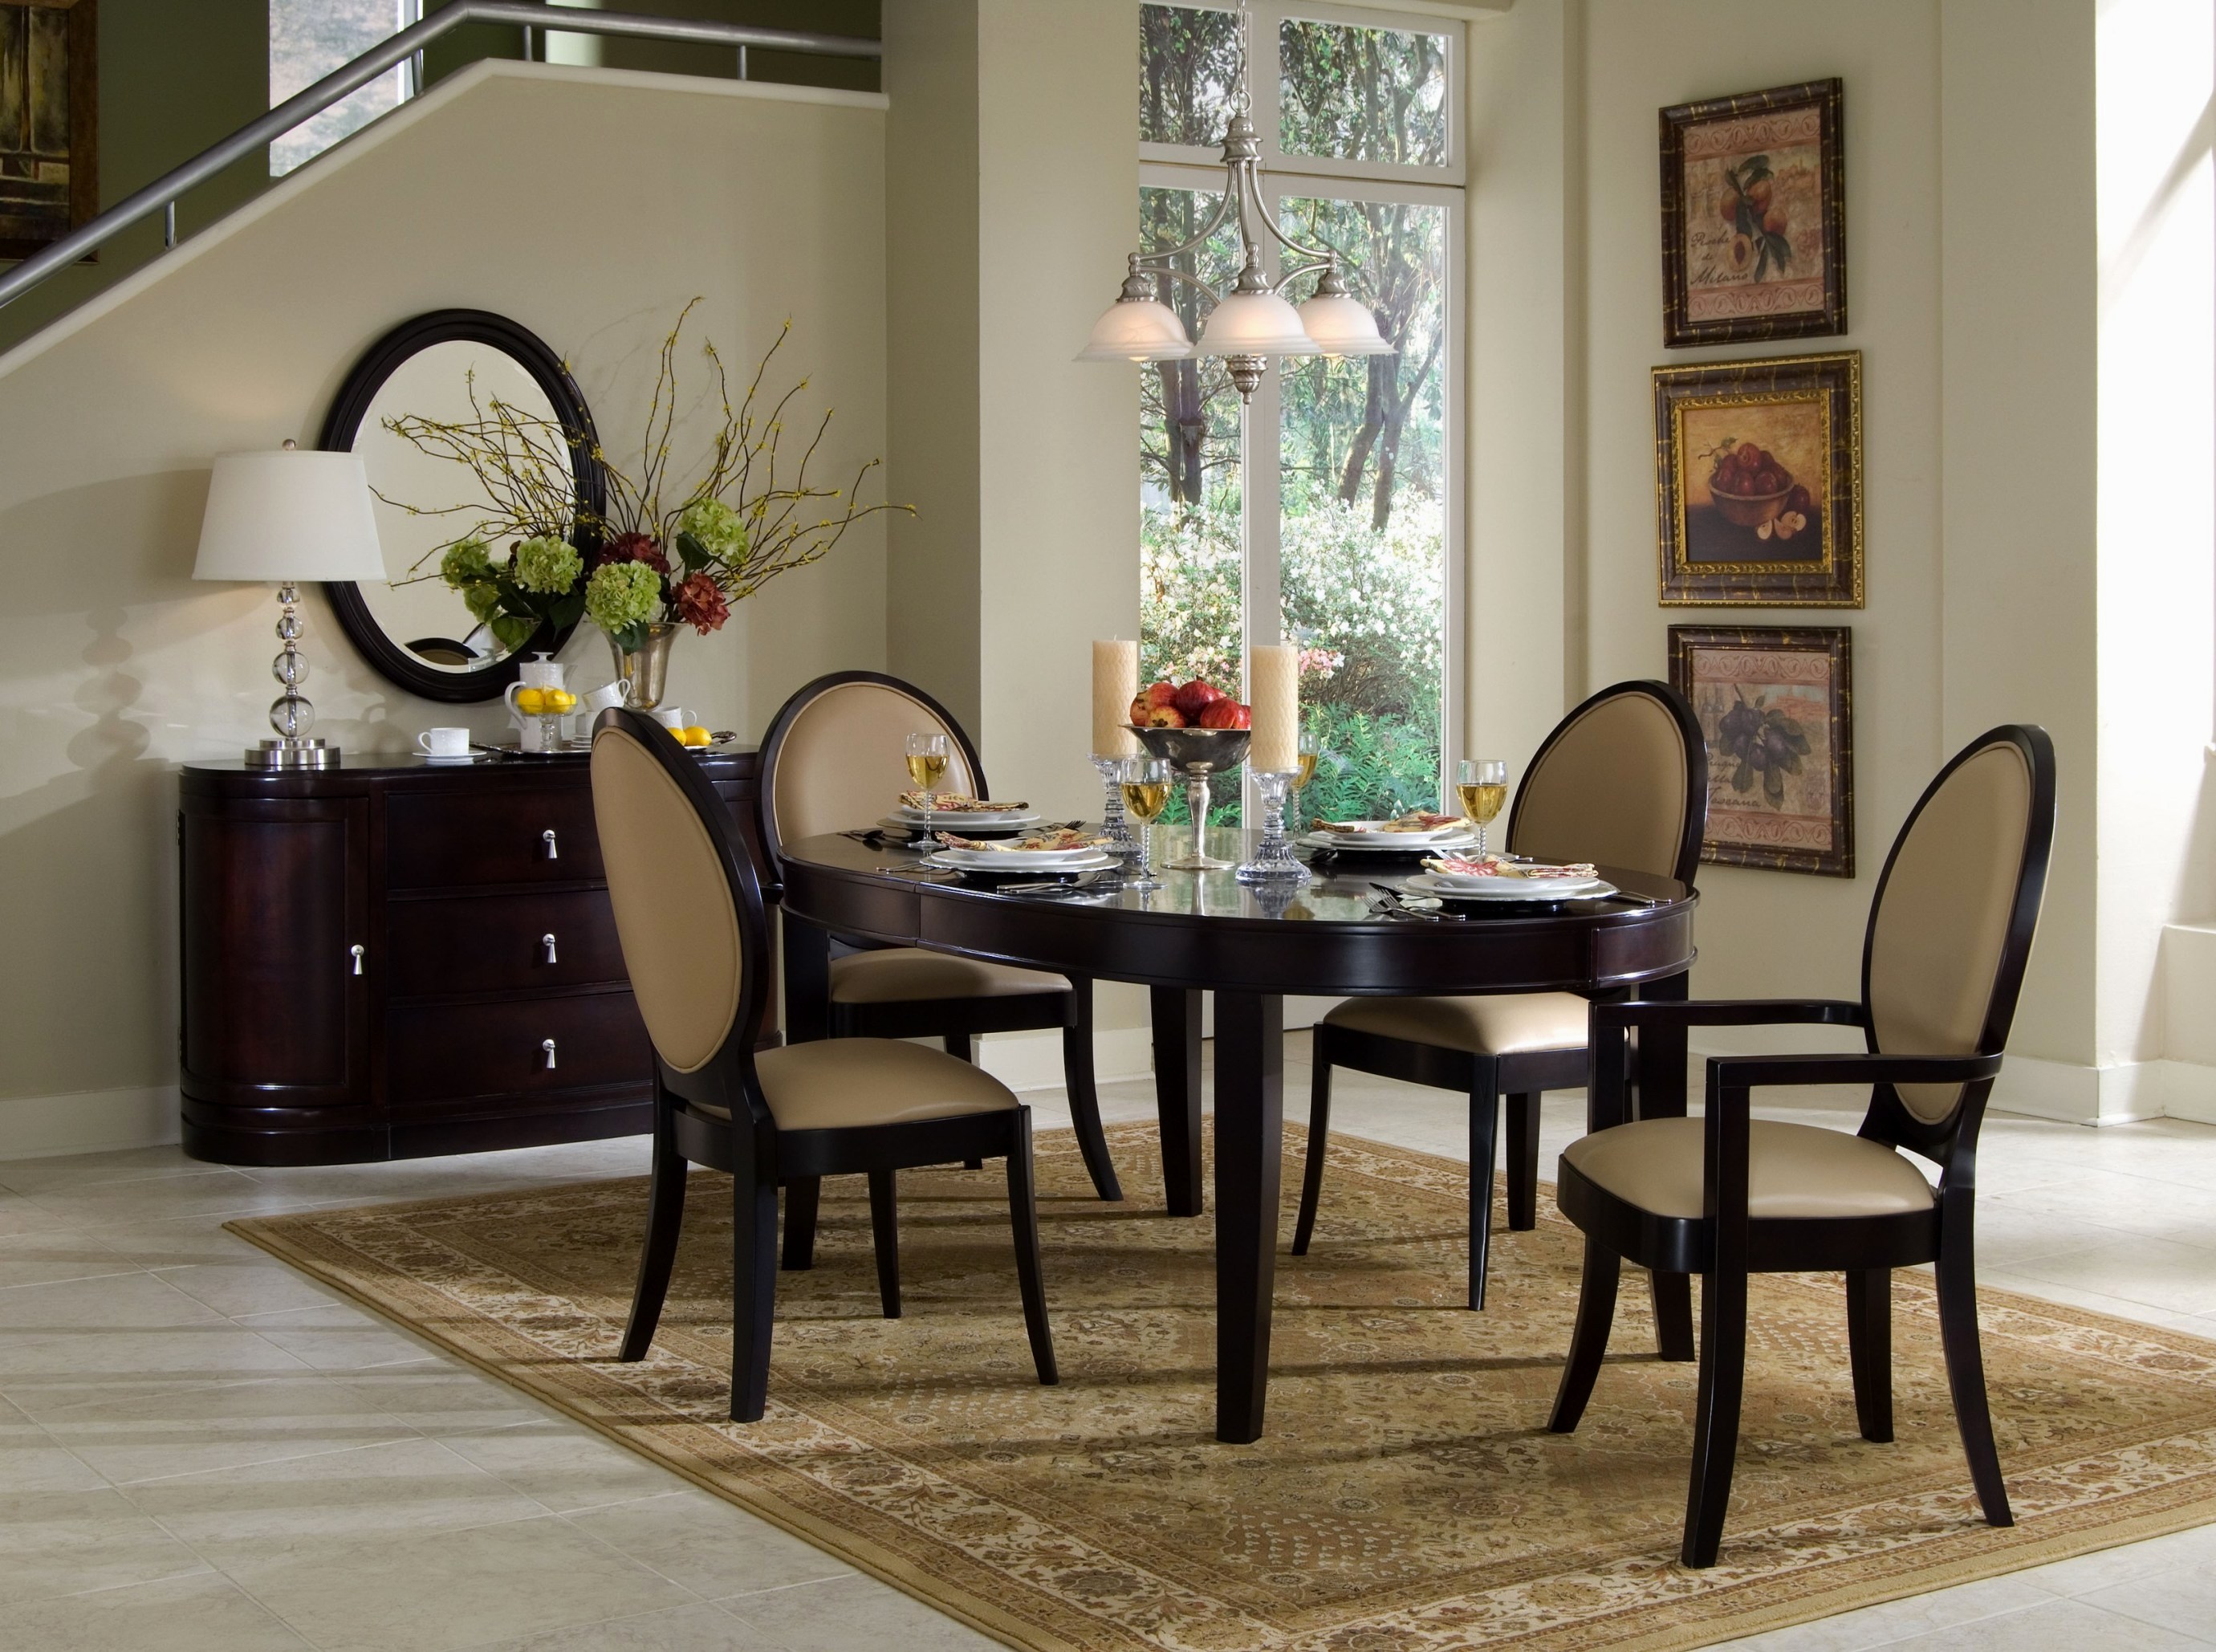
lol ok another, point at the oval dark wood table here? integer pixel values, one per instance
(1205, 932)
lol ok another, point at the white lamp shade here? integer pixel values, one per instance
(1255, 323)
(1341, 325)
(1138, 329)
(288, 517)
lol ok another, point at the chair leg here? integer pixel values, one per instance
(1674, 1315)
(957, 1045)
(1589, 1341)
(1319, 1139)
(754, 1283)
(1523, 1162)
(1869, 1349)
(1084, 1097)
(665, 1215)
(884, 1230)
(803, 1195)
(1716, 1414)
(1484, 1134)
(1023, 1217)
(1966, 1373)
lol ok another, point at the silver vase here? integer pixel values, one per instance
(646, 668)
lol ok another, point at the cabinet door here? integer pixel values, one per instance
(276, 1000)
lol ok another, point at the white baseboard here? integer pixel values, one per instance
(1032, 1061)
(89, 1121)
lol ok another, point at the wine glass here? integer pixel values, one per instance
(1145, 782)
(1481, 783)
(927, 756)
(1310, 749)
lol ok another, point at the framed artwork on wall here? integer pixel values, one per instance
(1758, 483)
(1754, 217)
(49, 106)
(1777, 708)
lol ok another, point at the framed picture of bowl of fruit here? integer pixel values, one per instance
(1777, 709)
(1758, 483)
(1754, 217)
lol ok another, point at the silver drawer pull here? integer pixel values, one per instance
(553, 849)
(547, 941)
(547, 1044)
(357, 950)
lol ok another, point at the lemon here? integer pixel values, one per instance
(697, 735)
(560, 700)
(532, 702)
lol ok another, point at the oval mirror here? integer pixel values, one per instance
(416, 629)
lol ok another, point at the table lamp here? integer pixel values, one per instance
(282, 518)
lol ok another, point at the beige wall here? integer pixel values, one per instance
(588, 206)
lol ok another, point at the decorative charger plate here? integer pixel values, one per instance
(1464, 886)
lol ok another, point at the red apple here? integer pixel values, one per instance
(1158, 694)
(1226, 714)
(1195, 697)
(1165, 716)
(1139, 709)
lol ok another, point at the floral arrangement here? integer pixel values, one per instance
(748, 514)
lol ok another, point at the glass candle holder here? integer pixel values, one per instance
(1120, 843)
(1274, 860)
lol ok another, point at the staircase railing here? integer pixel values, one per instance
(161, 195)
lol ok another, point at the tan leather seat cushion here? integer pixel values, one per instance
(901, 975)
(1503, 1025)
(843, 1083)
(1793, 1170)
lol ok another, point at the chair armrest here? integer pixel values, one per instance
(1729, 1012)
(1742, 1073)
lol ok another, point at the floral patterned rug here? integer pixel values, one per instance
(1406, 1496)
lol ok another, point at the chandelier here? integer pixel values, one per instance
(1255, 320)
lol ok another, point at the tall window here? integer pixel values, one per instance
(309, 39)
(1324, 518)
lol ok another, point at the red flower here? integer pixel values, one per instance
(700, 604)
(637, 547)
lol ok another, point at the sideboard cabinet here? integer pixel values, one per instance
(397, 958)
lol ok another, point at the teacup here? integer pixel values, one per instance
(445, 743)
(670, 717)
(602, 699)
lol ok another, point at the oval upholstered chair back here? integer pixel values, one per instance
(1950, 927)
(1621, 781)
(835, 755)
(677, 916)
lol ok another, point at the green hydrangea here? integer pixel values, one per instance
(720, 530)
(483, 598)
(547, 565)
(622, 594)
(466, 563)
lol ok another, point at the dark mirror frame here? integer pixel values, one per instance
(343, 423)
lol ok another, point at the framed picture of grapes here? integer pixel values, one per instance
(1777, 708)
(1754, 217)
(1758, 482)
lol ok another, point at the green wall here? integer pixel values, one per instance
(176, 77)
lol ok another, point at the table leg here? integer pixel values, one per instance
(1250, 1059)
(807, 980)
(1661, 1079)
(1176, 1013)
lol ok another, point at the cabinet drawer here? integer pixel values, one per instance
(449, 1051)
(498, 943)
(460, 841)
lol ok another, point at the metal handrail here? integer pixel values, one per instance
(161, 194)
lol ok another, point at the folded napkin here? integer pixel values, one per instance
(946, 803)
(1417, 820)
(1060, 839)
(1491, 867)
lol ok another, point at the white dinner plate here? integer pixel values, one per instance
(1467, 886)
(962, 829)
(1392, 842)
(951, 818)
(1015, 862)
(1371, 834)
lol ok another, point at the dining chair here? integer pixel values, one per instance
(1621, 781)
(833, 760)
(1724, 1195)
(689, 920)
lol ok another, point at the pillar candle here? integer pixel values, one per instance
(1273, 688)
(1115, 686)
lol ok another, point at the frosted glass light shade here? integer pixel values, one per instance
(1255, 323)
(1341, 325)
(1138, 329)
(286, 517)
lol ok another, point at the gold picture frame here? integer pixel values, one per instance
(49, 123)
(1758, 483)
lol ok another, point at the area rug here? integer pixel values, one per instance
(1406, 1495)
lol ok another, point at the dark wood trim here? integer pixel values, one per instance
(343, 422)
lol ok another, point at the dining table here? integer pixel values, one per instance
(1356, 929)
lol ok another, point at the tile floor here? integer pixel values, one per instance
(198, 1449)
